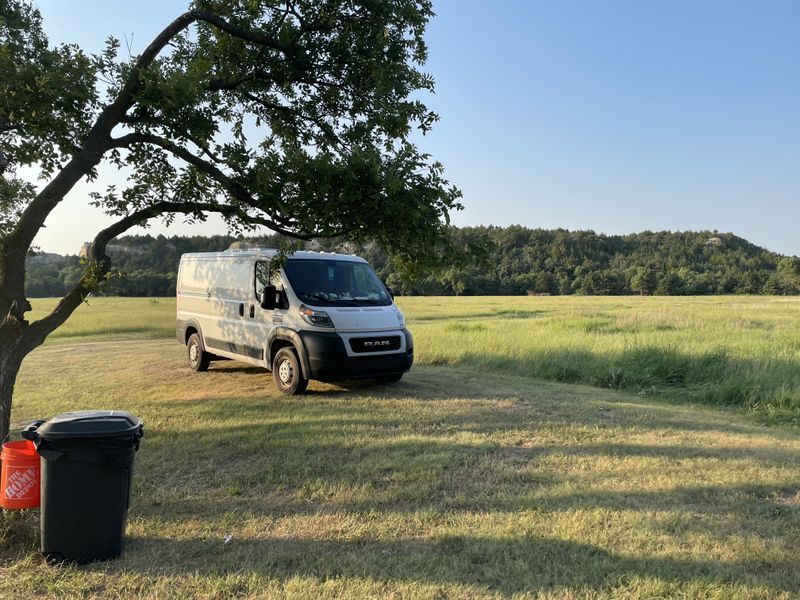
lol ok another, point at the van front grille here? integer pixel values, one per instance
(375, 344)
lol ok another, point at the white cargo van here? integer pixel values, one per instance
(323, 316)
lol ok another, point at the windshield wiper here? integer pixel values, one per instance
(342, 301)
(328, 300)
(315, 295)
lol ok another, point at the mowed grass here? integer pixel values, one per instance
(455, 483)
(112, 318)
(739, 351)
(471, 478)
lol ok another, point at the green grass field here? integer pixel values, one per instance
(741, 351)
(472, 478)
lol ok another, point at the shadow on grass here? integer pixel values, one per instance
(325, 467)
(369, 456)
(535, 403)
(770, 386)
(450, 448)
(504, 565)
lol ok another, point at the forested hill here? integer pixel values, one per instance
(521, 261)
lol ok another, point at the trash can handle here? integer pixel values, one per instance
(30, 433)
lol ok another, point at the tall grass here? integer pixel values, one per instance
(732, 351)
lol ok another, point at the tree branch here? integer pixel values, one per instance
(98, 142)
(243, 34)
(97, 139)
(100, 264)
(83, 161)
(231, 84)
(324, 127)
(117, 109)
(206, 150)
(236, 190)
(289, 50)
(216, 85)
(282, 17)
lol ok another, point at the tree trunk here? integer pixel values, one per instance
(9, 367)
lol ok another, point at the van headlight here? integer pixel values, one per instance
(318, 318)
(401, 318)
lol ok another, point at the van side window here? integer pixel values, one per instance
(262, 277)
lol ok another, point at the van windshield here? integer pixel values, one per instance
(335, 283)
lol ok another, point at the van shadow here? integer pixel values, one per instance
(345, 386)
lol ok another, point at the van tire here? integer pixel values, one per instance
(287, 373)
(198, 358)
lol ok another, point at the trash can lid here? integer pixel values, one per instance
(89, 424)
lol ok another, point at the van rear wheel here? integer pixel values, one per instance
(198, 358)
(287, 374)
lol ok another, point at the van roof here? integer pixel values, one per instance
(269, 253)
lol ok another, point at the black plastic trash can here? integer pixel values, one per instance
(86, 474)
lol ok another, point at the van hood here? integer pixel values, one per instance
(363, 318)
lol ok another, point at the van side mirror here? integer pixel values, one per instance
(268, 301)
(391, 292)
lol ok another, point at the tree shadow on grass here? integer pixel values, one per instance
(412, 459)
(396, 451)
(506, 565)
(343, 462)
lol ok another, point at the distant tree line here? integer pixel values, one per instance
(518, 261)
(558, 261)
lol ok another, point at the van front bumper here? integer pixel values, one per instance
(328, 359)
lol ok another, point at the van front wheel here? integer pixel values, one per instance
(199, 359)
(287, 374)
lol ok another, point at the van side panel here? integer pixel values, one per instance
(210, 292)
(219, 293)
(192, 299)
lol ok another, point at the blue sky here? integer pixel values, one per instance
(614, 116)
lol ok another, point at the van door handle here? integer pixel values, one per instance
(252, 311)
(241, 310)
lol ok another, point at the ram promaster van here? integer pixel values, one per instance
(322, 316)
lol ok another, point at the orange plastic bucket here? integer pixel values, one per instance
(19, 475)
